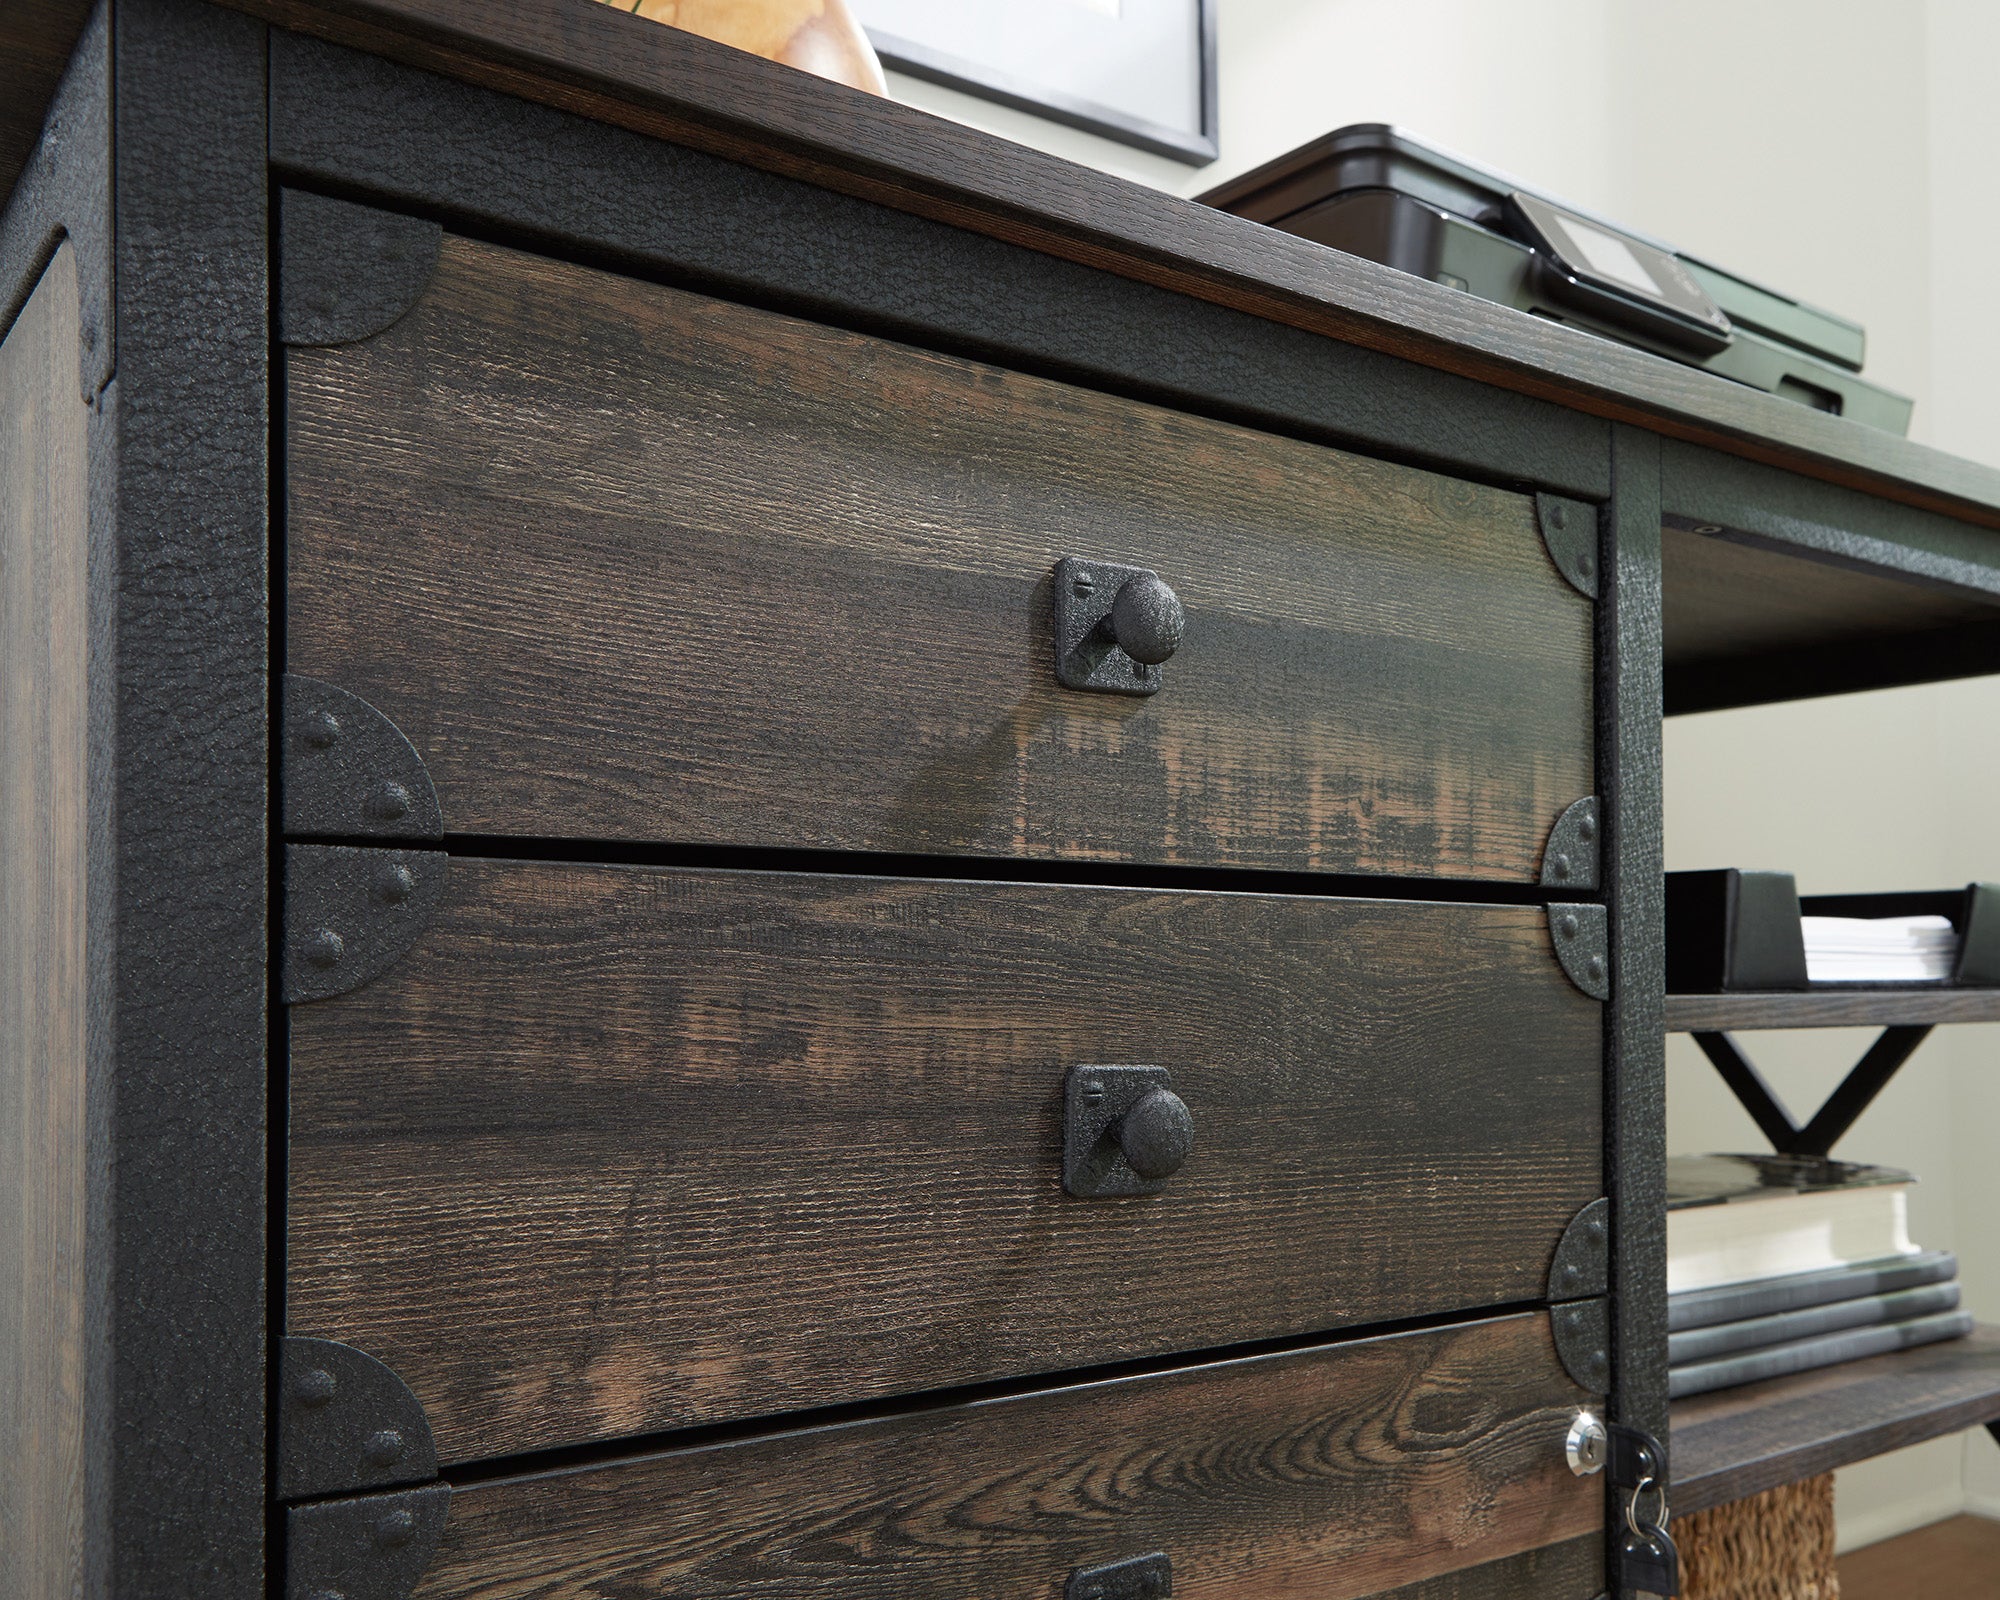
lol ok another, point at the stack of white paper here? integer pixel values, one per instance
(1879, 949)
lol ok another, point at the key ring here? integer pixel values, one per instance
(1632, 1509)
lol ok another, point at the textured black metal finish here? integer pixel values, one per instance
(1570, 858)
(1581, 934)
(64, 193)
(1644, 1557)
(370, 1547)
(1569, 530)
(1141, 1578)
(346, 1422)
(1124, 1131)
(538, 176)
(348, 771)
(351, 914)
(1745, 1082)
(187, 756)
(1582, 1330)
(1635, 1086)
(1581, 1266)
(1841, 1109)
(347, 271)
(1114, 625)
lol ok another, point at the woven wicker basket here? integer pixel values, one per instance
(1772, 1546)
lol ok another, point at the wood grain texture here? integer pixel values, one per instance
(1331, 1473)
(36, 37)
(642, 565)
(44, 981)
(1829, 1008)
(586, 58)
(1959, 1557)
(617, 1150)
(1738, 1442)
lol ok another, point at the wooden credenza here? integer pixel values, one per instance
(738, 867)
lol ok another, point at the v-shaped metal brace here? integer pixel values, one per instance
(1843, 1107)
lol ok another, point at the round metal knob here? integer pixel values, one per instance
(1156, 1135)
(1146, 619)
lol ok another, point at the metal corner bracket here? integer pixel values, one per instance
(346, 771)
(1581, 934)
(346, 1422)
(1569, 533)
(367, 1547)
(1582, 1332)
(347, 271)
(351, 913)
(1570, 859)
(1581, 1266)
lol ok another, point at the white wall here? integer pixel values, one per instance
(1846, 151)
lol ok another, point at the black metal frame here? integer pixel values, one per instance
(1857, 1091)
(182, 561)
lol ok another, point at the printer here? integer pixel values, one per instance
(1374, 191)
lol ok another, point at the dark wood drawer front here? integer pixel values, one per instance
(1330, 1473)
(615, 1150)
(626, 563)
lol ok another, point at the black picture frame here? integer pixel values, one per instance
(954, 71)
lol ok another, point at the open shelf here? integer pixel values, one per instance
(1739, 1442)
(1830, 1008)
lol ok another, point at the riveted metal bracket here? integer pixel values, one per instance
(1088, 653)
(346, 1422)
(1581, 1266)
(369, 1547)
(348, 772)
(346, 271)
(1582, 1330)
(1149, 1577)
(1569, 531)
(352, 913)
(1570, 858)
(1582, 937)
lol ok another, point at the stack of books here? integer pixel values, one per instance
(1779, 1264)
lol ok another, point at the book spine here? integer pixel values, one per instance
(1803, 1356)
(1703, 1308)
(1754, 1333)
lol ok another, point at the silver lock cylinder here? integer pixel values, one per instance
(1588, 1445)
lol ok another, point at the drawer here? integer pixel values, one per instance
(630, 564)
(614, 1150)
(1426, 1465)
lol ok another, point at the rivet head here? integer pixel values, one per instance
(382, 1449)
(1559, 869)
(313, 1387)
(396, 1528)
(1567, 927)
(1595, 967)
(1586, 829)
(1586, 564)
(389, 801)
(1558, 515)
(326, 1594)
(322, 730)
(324, 947)
(396, 884)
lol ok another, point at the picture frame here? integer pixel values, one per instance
(1138, 71)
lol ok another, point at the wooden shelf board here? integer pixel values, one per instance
(1829, 1008)
(1739, 1442)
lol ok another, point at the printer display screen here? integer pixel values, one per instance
(1601, 260)
(1609, 256)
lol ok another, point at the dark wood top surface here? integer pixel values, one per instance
(605, 64)
(1829, 1008)
(1738, 1442)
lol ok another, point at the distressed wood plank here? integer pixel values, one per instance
(616, 1150)
(642, 565)
(44, 988)
(1327, 1474)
